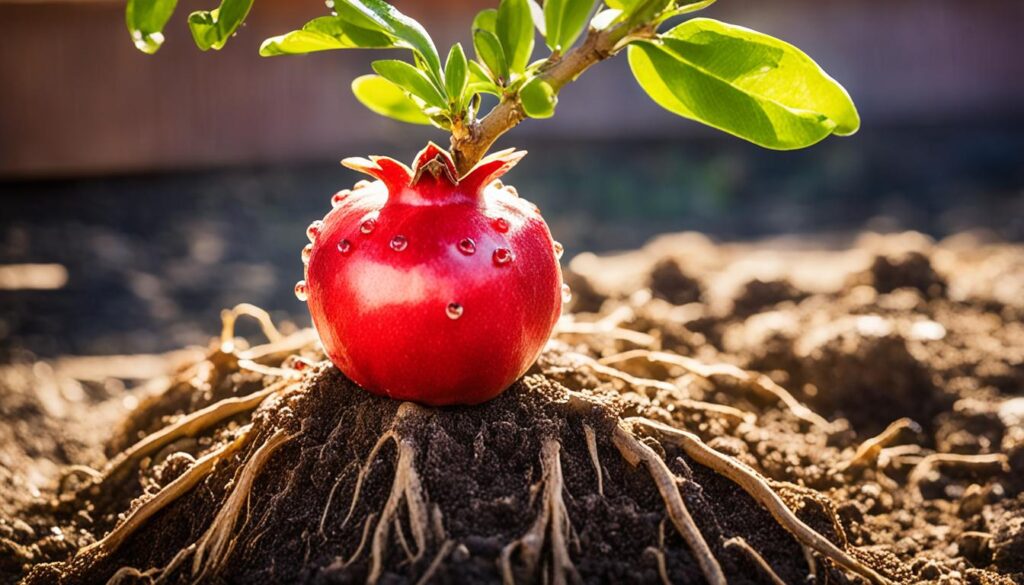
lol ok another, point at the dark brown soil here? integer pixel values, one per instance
(865, 334)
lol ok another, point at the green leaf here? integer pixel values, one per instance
(486, 20)
(574, 20)
(391, 21)
(565, 20)
(514, 28)
(685, 8)
(211, 29)
(327, 33)
(456, 74)
(387, 99)
(489, 52)
(743, 82)
(410, 79)
(146, 20)
(538, 98)
(480, 81)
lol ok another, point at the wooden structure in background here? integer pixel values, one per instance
(76, 98)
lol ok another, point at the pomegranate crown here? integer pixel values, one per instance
(434, 173)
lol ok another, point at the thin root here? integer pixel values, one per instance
(216, 544)
(228, 317)
(759, 489)
(602, 370)
(635, 451)
(435, 564)
(186, 426)
(755, 381)
(166, 496)
(553, 518)
(595, 459)
(870, 449)
(741, 544)
(405, 487)
(988, 464)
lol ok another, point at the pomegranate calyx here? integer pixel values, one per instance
(433, 176)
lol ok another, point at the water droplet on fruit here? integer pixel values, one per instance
(502, 256)
(329, 3)
(399, 243)
(367, 226)
(314, 230)
(454, 311)
(501, 224)
(344, 246)
(300, 290)
(467, 246)
(338, 198)
(306, 253)
(559, 250)
(566, 293)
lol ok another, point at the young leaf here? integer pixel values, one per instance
(456, 74)
(326, 33)
(410, 79)
(488, 50)
(685, 7)
(743, 82)
(400, 26)
(146, 20)
(387, 99)
(514, 28)
(572, 21)
(538, 98)
(480, 81)
(211, 29)
(486, 20)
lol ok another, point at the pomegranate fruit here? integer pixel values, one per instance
(431, 288)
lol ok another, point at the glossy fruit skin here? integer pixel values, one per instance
(433, 290)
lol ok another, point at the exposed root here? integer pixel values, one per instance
(737, 542)
(405, 487)
(658, 553)
(388, 436)
(553, 518)
(979, 464)
(186, 426)
(131, 575)
(606, 372)
(229, 317)
(595, 459)
(171, 492)
(754, 381)
(635, 452)
(435, 564)
(617, 333)
(869, 450)
(759, 489)
(216, 544)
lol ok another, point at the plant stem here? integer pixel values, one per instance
(470, 143)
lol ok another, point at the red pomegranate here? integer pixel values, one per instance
(431, 288)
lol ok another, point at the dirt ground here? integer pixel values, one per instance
(874, 388)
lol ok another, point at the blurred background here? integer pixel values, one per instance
(142, 194)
